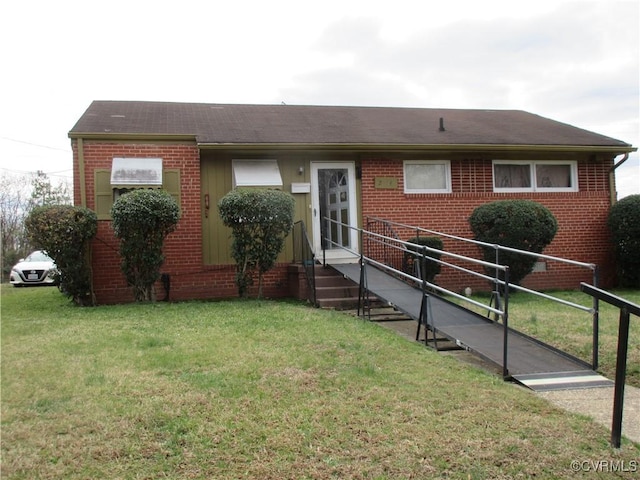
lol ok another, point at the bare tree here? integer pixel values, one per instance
(19, 194)
(44, 193)
(15, 203)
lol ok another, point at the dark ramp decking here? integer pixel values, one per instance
(535, 364)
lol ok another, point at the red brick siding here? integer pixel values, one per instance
(190, 279)
(582, 233)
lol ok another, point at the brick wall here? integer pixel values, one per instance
(582, 233)
(190, 279)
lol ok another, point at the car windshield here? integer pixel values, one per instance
(38, 257)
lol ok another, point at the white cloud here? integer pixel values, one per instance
(575, 62)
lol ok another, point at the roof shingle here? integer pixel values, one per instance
(333, 125)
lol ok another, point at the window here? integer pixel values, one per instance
(538, 176)
(128, 174)
(256, 173)
(422, 176)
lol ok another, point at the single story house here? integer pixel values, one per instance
(417, 166)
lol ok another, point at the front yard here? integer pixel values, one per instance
(262, 389)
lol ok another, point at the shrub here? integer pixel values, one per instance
(260, 221)
(141, 220)
(428, 269)
(624, 223)
(64, 233)
(519, 224)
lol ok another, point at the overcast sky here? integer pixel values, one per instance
(576, 62)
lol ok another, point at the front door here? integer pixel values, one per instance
(334, 209)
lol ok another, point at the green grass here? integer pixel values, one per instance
(571, 330)
(261, 389)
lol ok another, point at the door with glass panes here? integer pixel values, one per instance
(334, 209)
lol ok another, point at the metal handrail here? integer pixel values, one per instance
(395, 271)
(503, 312)
(369, 237)
(594, 310)
(491, 245)
(627, 309)
(307, 257)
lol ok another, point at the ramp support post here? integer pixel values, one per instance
(505, 324)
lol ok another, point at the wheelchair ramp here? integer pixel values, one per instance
(530, 362)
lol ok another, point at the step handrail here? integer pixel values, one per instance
(307, 257)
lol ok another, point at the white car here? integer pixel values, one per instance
(37, 269)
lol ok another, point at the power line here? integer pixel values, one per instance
(31, 172)
(36, 144)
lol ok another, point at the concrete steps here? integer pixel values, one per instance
(335, 291)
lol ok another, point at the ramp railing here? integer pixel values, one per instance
(496, 297)
(381, 250)
(626, 309)
(373, 243)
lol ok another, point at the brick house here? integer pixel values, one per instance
(424, 167)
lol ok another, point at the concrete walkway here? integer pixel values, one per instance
(596, 403)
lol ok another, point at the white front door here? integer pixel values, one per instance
(334, 209)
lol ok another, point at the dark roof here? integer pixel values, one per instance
(333, 125)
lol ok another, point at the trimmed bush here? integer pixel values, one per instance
(260, 221)
(428, 269)
(142, 219)
(519, 224)
(64, 233)
(624, 223)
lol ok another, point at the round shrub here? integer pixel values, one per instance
(519, 224)
(624, 223)
(65, 232)
(260, 221)
(141, 220)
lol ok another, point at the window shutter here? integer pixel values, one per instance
(103, 194)
(171, 183)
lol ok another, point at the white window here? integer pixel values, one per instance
(538, 176)
(427, 176)
(256, 173)
(129, 174)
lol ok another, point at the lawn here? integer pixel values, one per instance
(267, 390)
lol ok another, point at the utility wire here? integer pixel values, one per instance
(36, 144)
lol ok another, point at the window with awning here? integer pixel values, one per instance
(136, 172)
(256, 173)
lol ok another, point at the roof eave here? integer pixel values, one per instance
(358, 147)
(132, 136)
(434, 147)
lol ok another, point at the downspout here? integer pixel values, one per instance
(612, 178)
